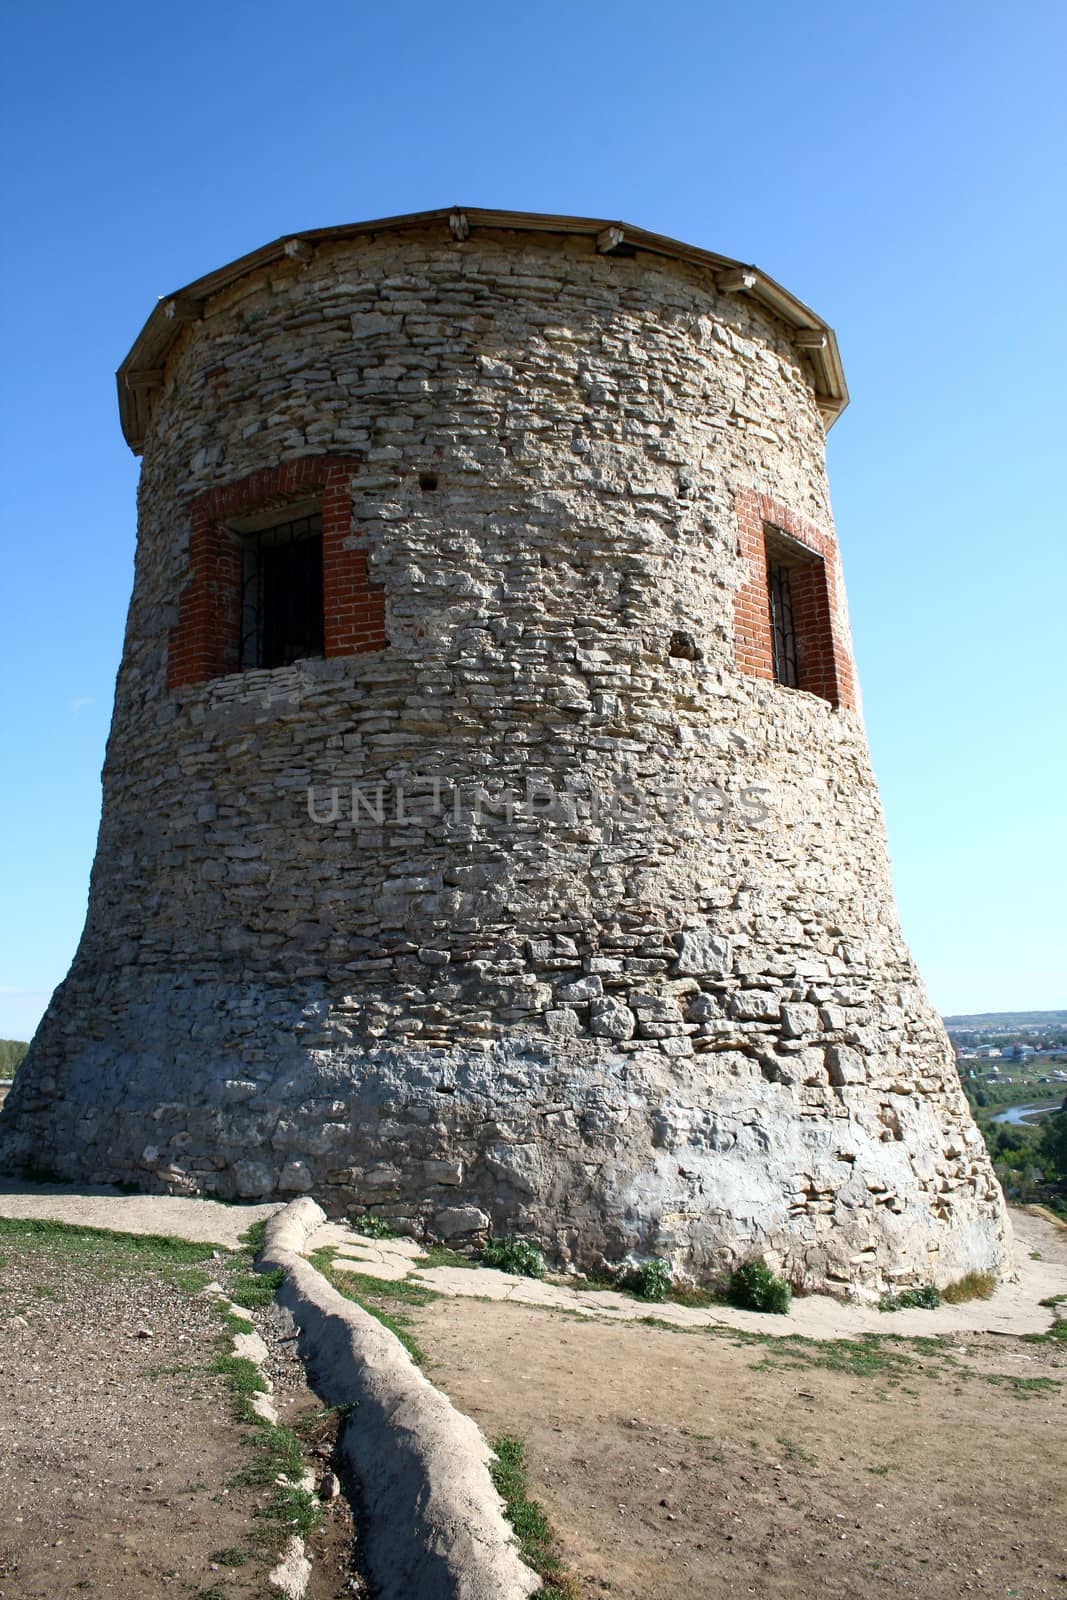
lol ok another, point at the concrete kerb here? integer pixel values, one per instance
(435, 1524)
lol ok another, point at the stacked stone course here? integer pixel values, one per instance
(663, 1007)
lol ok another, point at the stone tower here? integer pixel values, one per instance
(489, 837)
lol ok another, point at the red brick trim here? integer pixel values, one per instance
(824, 663)
(205, 642)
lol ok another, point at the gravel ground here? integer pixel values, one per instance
(118, 1451)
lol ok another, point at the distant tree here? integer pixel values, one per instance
(11, 1053)
(1054, 1144)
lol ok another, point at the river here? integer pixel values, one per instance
(1027, 1113)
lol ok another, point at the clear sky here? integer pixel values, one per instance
(900, 167)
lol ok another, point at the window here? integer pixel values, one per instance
(788, 624)
(783, 630)
(798, 613)
(281, 593)
(277, 574)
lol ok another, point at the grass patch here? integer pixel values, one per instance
(698, 1299)
(108, 1254)
(1021, 1386)
(255, 1289)
(972, 1286)
(439, 1255)
(1055, 1335)
(537, 1544)
(253, 1237)
(378, 1298)
(243, 1380)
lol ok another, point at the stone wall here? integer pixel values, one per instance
(603, 947)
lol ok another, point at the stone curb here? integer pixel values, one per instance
(435, 1525)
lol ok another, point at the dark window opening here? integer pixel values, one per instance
(281, 593)
(427, 481)
(783, 630)
(801, 635)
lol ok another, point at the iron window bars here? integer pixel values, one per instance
(281, 594)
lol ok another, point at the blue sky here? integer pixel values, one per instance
(901, 168)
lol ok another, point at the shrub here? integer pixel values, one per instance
(518, 1256)
(925, 1297)
(650, 1281)
(754, 1287)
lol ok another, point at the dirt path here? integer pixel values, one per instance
(682, 1465)
(122, 1471)
(100, 1206)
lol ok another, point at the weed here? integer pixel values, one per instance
(924, 1297)
(754, 1287)
(535, 1538)
(374, 1228)
(230, 1557)
(277, 1453)
(517, 1256)
(972, 1286)
(793, 1452)
(295, 1508)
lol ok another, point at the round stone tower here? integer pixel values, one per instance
(489, 838)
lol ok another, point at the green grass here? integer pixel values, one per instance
(243, 1380)
(1025, 1387)
(253, 1237)
(1057, 1334)
(378, 1297)
(536, 1541)
(439, 1255)
(109, 1254)
(255, 1289)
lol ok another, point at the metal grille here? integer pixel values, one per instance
(281, 594)
(783, 633)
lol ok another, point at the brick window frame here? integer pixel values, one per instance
(824, 662)
(205, 642)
